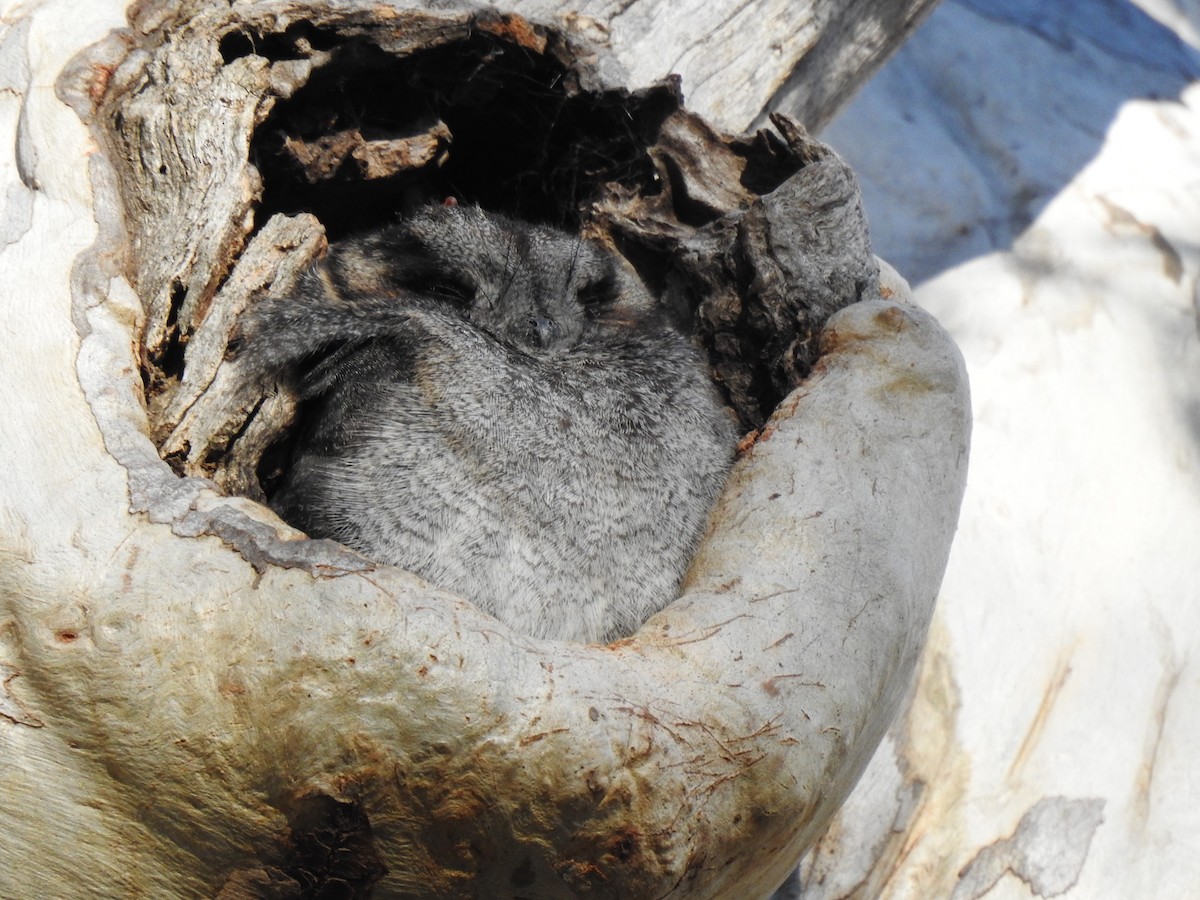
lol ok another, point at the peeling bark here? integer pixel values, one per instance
(1047, 851)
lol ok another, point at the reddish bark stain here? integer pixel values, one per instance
(831, 340)
(515, 29)
(748, 441)
(98, 85)
(534, 738)
(893, 318)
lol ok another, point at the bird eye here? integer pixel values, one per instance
(595, 295)
(436, 284)
(445, 288)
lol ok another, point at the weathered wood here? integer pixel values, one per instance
(197, 703)
(758, 239)
(739, 59)
(856, 38)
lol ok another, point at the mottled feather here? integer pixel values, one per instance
(500, 408)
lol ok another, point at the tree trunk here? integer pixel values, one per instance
(1050, 746)
(198, 702)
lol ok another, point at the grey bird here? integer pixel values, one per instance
(502, 409)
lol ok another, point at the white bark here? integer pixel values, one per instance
(186, 688)
(1050, 750)
(739, 58)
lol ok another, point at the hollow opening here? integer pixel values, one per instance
(297, 41)
(482, 120)
(286, 136)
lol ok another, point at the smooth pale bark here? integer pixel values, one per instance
(1050, 749)
(192, 696)
(739, 59)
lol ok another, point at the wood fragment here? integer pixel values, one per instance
(324, 157)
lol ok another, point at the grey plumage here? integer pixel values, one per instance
(500, 408)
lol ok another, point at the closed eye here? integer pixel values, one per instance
(451, 289)
(438, 284)
(596, 295)
(414, 267)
